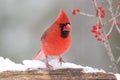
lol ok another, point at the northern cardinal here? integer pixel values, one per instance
(56, 39)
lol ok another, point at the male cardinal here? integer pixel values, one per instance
(56, 39)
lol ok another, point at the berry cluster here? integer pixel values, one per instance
(96, 30)
(102, 12)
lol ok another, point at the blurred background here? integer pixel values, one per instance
(22, 22)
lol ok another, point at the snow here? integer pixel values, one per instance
(7, 64)
(117, 76)
(86, 69)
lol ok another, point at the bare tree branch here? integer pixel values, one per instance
(85, 14)
(105, 41)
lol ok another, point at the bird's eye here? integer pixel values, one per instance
(62, 25)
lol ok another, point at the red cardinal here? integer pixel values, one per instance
(56, 39)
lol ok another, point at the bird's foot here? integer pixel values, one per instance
(48, 66)
(61, 60)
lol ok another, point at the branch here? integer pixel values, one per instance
(85, 14)
(118, 60)
(60, 74)
(112, 19)
(105, 41)
(115, 18)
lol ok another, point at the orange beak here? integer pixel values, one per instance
(67, 28)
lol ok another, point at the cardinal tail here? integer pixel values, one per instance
(39, 56)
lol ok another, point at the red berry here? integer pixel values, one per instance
(75, 11)
(99, 7)
(99, 33)
(108, 37)
(97, 13)
(117, 22)
(99, 39)
(95, 27)
(93, 31)
(95, 35)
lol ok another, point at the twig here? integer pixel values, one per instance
(112, 19)
(118, 60)
(115, 18)
(118, 28)
(85, 14)
(111, 28)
